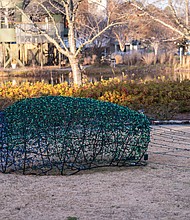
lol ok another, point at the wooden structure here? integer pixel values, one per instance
(182, 70)
(18, 43)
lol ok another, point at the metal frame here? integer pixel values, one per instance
(64, 135)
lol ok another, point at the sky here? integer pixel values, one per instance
(158, 3)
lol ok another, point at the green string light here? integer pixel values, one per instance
(63, 135)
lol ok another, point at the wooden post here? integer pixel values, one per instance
(23, 54)
(41, 55)
(4, 57)
(59, 60)
(181, 55)
(8, 51)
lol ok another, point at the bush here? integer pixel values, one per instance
(145, 95)
(133, 58)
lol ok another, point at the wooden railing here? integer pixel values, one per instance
(28, 33)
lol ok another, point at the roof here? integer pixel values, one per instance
(31, 7)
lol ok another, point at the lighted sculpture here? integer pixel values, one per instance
(63, 135)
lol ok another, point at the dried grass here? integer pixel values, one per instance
(148, 58)
(162, 58)
(118, 59)
(132, 59)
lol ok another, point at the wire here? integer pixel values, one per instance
(172, 165)
(166, 147)
(171, 155)
(166, 139)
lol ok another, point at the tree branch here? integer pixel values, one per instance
(142, 9)
(55, 26)
(177, 20)
(97, 35)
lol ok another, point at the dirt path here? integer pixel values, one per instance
(160, 190)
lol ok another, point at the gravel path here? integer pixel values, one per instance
(160, 190)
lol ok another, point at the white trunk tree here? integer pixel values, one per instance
(120, 34)
(70, 9)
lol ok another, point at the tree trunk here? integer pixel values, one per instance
(187, 12)
(77, 76)
(155, 45)
(73, 60)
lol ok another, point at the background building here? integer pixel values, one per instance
(18, 41)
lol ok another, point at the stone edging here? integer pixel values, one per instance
(170, 122)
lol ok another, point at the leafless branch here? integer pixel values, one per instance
(147, 13)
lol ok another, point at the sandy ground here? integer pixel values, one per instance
(160, 190)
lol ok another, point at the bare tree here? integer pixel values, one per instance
(70, 9)
(140, 26)
(88, 26)
(174, 18)
(120, 33)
